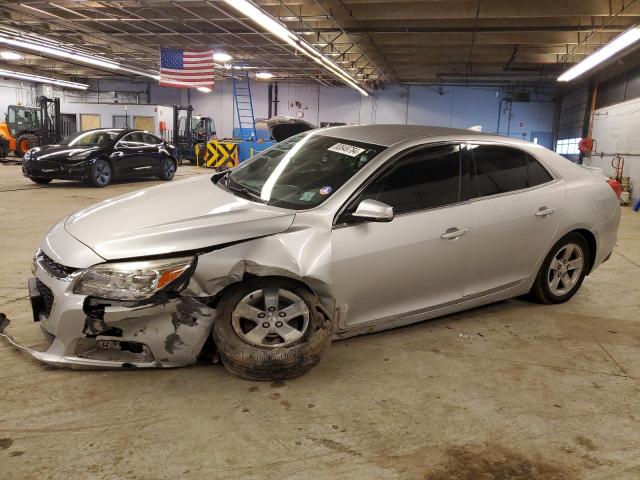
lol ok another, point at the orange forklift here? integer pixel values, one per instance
(28, 127)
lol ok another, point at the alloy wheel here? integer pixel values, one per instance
(270, 318)
(169, 168)
(102, 173)
(565, 269)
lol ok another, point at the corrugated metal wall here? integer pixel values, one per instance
(573, 107)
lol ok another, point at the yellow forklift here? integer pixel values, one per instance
(27, 127)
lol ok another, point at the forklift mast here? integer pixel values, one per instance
(187, 138)
(50, 120)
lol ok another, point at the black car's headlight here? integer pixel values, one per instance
(28, 153)
(132, 281)
(82, 155)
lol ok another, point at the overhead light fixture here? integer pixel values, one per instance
(264, 75)
(10, 55)
(204, 89)
(45, 47)
(279, 30)
(222, 57)
(610, 49)
(41, 79)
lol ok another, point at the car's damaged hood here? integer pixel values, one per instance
(181, 216)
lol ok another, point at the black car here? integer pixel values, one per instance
(98, 156)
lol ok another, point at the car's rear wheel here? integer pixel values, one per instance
(167, 169)
(100, 174)
(40, 180)
(271, 329)
(563, 270)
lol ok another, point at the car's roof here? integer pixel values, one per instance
(106, 129)
(387, 135)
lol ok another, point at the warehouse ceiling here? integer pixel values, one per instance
(429, 41)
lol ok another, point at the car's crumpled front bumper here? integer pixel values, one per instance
(96, 334)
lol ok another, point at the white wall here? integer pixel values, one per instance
(615, 131)
(460, 107)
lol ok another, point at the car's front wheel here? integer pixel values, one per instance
(563, 270)
(271, 328)
(100, 173)
(167, 169)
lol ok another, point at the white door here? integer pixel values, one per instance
(514, 218)
(402, 267)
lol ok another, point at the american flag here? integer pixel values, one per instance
(186, 68)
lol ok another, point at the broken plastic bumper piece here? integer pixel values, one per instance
(89, 353)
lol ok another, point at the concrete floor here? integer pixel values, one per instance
(510, 391)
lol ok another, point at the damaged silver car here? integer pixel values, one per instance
(328, 234)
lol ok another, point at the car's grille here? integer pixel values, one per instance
(47, 297)
(53, 268)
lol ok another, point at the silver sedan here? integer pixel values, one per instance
(329, 234)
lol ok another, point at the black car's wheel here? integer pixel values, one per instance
(100, 174)
(40, 180)
(563, 270)
(271, 329)
(167, 169)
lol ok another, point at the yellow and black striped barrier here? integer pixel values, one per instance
(215, 154)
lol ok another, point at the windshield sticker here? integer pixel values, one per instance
(325, 190)
(345, 149)
(307, 196)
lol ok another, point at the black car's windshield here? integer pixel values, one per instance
(302, 171)
(93, 138)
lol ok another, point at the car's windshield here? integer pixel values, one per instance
(92, 138)
(302, 171)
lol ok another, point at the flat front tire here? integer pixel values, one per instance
(563, 270)
(271, 328)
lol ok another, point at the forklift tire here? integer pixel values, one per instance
(24, 143)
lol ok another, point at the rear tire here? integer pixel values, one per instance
(563, 270)
(100, 174)
(266, 355)
(40, 180)
(167, 169)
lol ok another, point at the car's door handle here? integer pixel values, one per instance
(544, 211)
(453, 233)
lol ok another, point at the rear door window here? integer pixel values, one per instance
(499, 169)
(537, 173)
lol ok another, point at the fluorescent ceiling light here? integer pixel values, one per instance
(204, 89)
(42, 48)
(610, 49)
(264, 75)
(10, 55)
(41, 79)
(279, 30)
(222, 57)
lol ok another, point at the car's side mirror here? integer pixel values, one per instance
(373, 211)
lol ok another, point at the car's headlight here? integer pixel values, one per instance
(132, 280)
(28, 153)
(82, 155)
